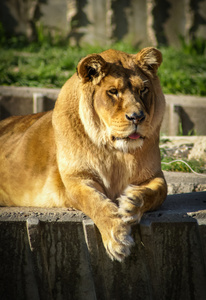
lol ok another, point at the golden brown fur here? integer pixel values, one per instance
(97, 151)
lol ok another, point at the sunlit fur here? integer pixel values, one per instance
(126, 146)
(97, 151)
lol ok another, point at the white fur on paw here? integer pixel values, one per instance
(129, 210)
(119, 249)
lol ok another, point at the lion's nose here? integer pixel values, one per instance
(136, 118)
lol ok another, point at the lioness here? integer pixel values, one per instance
(97, 151)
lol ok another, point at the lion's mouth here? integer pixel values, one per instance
(133, 136)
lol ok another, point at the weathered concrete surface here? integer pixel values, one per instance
(188, 110)
(179, 182)
(48, 262)
(20, 100)
(58, 254)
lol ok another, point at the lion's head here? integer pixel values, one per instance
(121, 102)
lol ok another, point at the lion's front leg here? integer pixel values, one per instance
(87, 196)
(138, 199)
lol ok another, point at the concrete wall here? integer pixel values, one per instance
(139, 22)
(58, 254)
(190, 111)
(24, 100)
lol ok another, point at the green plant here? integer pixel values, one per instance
(196, 46)
(182, 73)
(48, 37)
(181, 132)
(178, 165)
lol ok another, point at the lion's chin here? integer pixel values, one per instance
(130, 143)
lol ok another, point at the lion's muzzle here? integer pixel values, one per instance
(136, 118)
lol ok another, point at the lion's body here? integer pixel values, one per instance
(97, 151)
(25, 174)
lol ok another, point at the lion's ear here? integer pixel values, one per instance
(92, 68)
(149, 59)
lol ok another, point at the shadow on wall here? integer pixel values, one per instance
(198, 19)
(188, 126)
(78, 21)
(8, 21)
(161, 15)
(120, 18)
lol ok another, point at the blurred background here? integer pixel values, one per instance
(139, 22)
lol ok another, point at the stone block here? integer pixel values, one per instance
(24, 100)
(58, 254)
(185, 111)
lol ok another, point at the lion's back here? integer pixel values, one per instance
(18, 124)
(25, 137)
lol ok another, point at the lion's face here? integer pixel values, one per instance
(119, 97)
(123, 104)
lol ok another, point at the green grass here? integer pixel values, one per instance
(178, 164)
(198, 166)
(183, 72)
(47, 65)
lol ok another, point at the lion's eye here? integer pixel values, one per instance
(144, 91)
(113, 91)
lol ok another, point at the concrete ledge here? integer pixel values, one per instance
(25, 100)
(58, 254)
(179, 182)
(27, 92)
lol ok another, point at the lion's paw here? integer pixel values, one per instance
(119, 242)
(130, 204)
